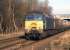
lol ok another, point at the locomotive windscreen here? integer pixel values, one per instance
(34, 17)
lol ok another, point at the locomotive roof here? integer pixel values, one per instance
(35, 12)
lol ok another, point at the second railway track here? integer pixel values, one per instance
(14, 44)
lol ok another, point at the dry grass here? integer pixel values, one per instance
(63, 42)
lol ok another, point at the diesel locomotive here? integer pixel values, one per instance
(35, 21)
(38, 25)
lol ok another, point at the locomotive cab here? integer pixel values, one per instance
(34, 23)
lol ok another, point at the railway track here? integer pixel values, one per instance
(7, 42)
(17, 45)
(47, 42)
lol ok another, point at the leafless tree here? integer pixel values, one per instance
(8, 24)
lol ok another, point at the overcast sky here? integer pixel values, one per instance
(60, 6)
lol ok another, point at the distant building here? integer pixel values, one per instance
(62, 16)
(61, 19)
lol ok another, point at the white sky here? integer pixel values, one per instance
(60, 6)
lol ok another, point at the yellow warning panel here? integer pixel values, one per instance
(30, 24)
